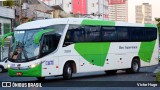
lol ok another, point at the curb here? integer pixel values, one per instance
(157, 70)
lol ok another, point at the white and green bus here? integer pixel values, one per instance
(54, 47)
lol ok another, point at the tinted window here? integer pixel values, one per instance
(59, 28)
(92, 33)
(50, 43)
(137, 34)
(109, 34)
(77, 33)
(151, 34)
(0, 29)
(74, 34)
(122, 34)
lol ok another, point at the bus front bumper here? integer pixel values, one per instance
(32, 72)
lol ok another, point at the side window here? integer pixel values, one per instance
(122, 34)
(50, 43)
(151, 34)
(109, 34)
(0, 29)
(45, 45)
(79, 35)
(92, 33)
(7, 28)
(137, 34)
(74, 34)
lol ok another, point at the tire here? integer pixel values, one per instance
(1, 69)
(67, 71)
(111, 72)
(40, 78)
(135, 66)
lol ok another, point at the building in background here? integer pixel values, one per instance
(99, 8)
(67, 6)
(83, 8)
(79, 6)
(118, 10)
(144, 13)
(6, 17)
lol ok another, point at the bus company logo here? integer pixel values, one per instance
(49, 62)
(19, 65)
(6, 84)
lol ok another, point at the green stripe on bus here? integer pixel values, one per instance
(98, 22)
(33, 72)
(95, 53)
(146, 50)
(39, 35)
(150, 25)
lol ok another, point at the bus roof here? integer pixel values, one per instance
(82, 21)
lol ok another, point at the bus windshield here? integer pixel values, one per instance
(22, 46)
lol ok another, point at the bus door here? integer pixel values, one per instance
(48, 46)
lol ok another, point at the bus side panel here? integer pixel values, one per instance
(147, 53)
(92, 55)
(67, 58)
(50, 65)
(121, 54)
(155, 60)
(68, 54)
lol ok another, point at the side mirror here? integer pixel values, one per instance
(39, 35)
(6, 61)
(5, 36)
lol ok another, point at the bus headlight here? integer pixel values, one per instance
(33, 65)
(8, 66)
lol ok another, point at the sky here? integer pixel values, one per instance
(131, 8)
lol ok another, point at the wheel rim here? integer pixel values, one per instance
(0, 69)
(135, 66)
(69, 71)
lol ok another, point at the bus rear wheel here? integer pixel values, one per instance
(111, 72)
(40, 78)
(67, 71)
(135, 66)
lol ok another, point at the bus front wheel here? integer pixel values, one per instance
(67, 71)
(135, 66)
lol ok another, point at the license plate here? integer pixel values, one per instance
(19, 74)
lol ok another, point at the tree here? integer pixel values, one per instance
(158, 24)
(158, 20)
(9, 3)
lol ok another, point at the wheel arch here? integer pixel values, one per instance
(138, 59)
(73, 65)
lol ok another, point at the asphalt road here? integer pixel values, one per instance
(145, 74)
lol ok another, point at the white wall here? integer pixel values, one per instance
(6, 12)
(92, 6)
(52, 2)
(99, 8)
(67, 6)
(103, 8)
(44, 15)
